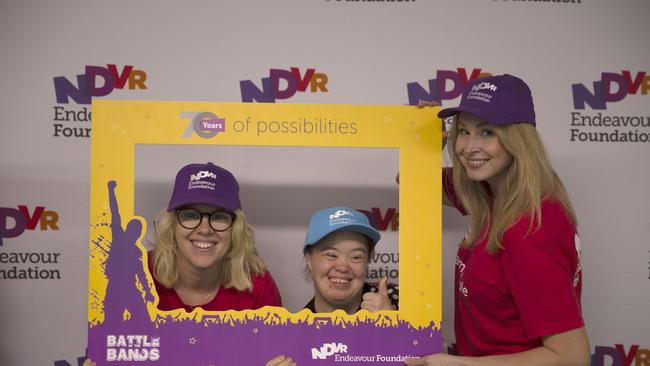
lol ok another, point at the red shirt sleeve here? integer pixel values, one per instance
(265, 291)
(543, 270)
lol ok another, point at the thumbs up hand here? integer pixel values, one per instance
(375, 301)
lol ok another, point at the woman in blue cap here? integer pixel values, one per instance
(339, 244)
(518, 274)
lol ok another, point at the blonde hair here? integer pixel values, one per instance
(529, 179)
(240, 263)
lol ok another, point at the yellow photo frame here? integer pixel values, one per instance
(127, 332)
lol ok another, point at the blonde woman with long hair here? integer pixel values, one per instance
(204, 253)
(518, 274)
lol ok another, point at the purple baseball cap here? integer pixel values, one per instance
(500, 100)
(205, 183)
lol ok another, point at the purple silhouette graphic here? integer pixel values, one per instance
(128, 335)
(123, 299)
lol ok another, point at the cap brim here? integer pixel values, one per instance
(206, 200)
(478, 112)
(361, 229)
(448, 112)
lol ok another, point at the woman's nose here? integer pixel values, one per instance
(204, 226)
(473, 144)
(342, 265)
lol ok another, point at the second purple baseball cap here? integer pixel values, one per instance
(500, 100)
(205, 183)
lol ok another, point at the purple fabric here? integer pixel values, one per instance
(128, 335)
(205, 183)
(500, 100)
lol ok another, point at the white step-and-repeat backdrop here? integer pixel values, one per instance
(587, 62)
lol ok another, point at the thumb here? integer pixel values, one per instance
(382, 288)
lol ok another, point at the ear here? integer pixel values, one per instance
(308, 260)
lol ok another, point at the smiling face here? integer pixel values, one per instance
(338, 265)
(201, 249)
(480, 150)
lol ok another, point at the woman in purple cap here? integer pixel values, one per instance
(518, 274)
(204, 253)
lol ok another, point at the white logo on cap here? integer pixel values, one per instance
(339, 213)
(484, 85)
(337, 219)
(203, 174)
(197, 182)
(476, 93)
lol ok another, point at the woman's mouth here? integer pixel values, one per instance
(339, 281)
(476, 163)
(203, 244)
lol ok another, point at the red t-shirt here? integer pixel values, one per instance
(531, 288)
(265, 292)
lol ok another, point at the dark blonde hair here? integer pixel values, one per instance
(529, 179)
(240, 263)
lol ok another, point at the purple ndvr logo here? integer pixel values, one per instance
(612, 87)
(447, 85)
(87, 83)
(283, 84)
(14, 222)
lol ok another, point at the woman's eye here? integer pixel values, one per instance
(487, 132)
(189, 215)
(463, 131)
(219, 216)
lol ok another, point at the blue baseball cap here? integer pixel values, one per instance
(500, 100)
(329, 220)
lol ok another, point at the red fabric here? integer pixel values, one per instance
(265, 292)
(448, 189)
(506, 302)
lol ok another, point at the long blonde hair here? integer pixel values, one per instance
(529, 179)
(240, 263)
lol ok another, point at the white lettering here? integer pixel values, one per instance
(339, 213)
(212, 125)
(328, 349)
(111, 354)
(461, 270)
(110, 340)
(203, 174)
(484, 85)
(132, 347)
